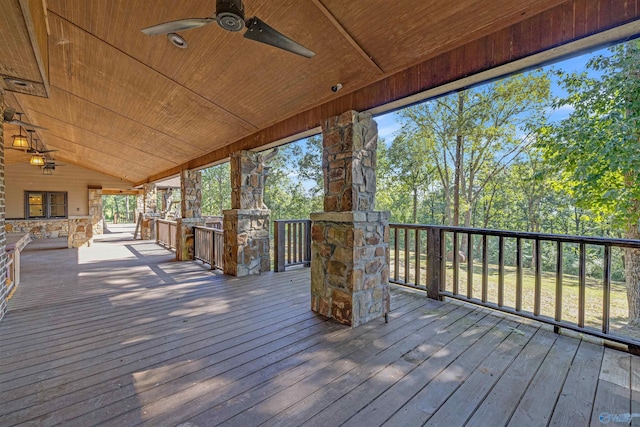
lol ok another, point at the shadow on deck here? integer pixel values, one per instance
(120, 333)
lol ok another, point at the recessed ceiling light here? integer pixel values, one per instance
(18, 82)
(177, 41)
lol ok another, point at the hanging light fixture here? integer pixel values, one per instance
(20, 141)
(36, 160)
(47, 171)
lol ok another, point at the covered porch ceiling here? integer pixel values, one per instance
(120, 102)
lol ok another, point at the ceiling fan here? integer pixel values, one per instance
(50, 164)
(33, 147)
(229, 15)
(9, 117)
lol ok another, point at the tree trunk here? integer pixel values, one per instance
(458, 162)
(632, 275)
(415, 205)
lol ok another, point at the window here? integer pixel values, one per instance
(45, 204)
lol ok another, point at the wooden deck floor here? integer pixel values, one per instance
(120, 334)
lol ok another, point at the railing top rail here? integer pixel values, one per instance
(290, 221)
(166, 221)
(215, 230)
(606, 241)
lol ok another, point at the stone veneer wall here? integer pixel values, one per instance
(246, 241)
(350, 241)
(95, 210)
(147, 204)
(190, 209)
(349, 162)
(80, 231)
(350, 265)
(246, 224)
(39, 228)
(4, 290)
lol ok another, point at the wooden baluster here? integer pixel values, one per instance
(559, 280)
(396, 256)
(606, 290)
(538, 281)
(518, 274)
(456, 262)
(500, 271)
(417, 257)
(469, 265)
(406, 255)
(582, 284)
(485, 268)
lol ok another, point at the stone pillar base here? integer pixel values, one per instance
(80, 232)
(350, 265)
(246, 241)
(185, 249)
(148, 226)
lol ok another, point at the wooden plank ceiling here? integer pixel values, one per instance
(134, 106)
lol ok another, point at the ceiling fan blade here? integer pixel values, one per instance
(175, 26)
(261, 32)
(25, 124)
(46, 151)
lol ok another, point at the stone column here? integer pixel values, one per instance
(3, 236)
(191, 201)
(95, 210)
(350, 240)
(149, 204)
(80, 231)
(246, 224)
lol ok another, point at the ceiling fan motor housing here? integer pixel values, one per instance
(230, 14)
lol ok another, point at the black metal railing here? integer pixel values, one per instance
(292, 243)
(166, 233)
(565, 281)
(209, 246)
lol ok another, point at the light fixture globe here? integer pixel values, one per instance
(36, 160)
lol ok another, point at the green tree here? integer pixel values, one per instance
(472, 136)
(216, 189)
(410, 168)
(596, 147)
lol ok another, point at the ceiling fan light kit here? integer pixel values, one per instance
(230, 16)
(36, 160)
(20, 141)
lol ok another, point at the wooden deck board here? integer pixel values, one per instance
(124, 335)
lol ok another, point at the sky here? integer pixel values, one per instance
(389, 123)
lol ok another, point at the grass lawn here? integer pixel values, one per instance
(570, 295)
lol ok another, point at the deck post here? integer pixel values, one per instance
(350, 240)
(434, 261)
(246, 224)
(147, 205)
(95, 209)
(190, 210)
(4, 289)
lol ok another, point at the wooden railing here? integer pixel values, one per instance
(504, 270)
(292, 243)
(209, 246)
(166, 233)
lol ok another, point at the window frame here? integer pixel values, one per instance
(46, 204)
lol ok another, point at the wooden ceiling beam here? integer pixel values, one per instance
(327, 13)
(561, 25)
